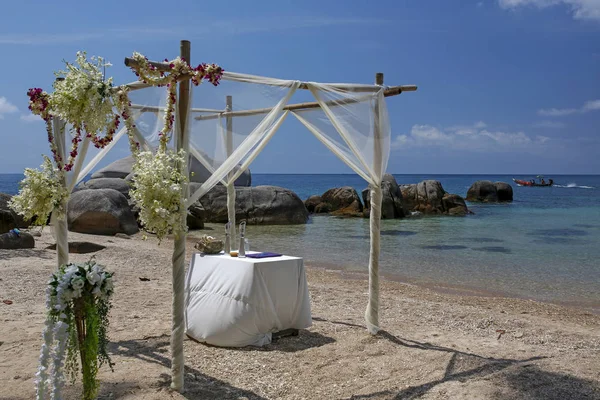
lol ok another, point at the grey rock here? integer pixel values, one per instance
(196, 216)
(122, 169)
(8, 218)
(483, 191)
(504, 190)
(453, 204)
(11, 240)
(261, 205)
(391, 203)
(118, 184)
(312, 202)
(343, 201)
(429, 198)
(100, 212)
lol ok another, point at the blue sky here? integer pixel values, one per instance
(505, 86)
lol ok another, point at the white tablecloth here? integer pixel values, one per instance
(235, 302)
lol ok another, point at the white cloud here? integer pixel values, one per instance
(549, 124)
(6, 107)
(467, 130)
(557, 112)
(427, 133)
(580, 9)
(592, 105)
(471, 137)
(31, 118)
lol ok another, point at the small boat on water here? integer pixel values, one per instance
(533, 182)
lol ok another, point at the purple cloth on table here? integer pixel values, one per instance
(263, 255)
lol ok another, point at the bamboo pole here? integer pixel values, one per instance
(230, 184)
(61, 230)
(178, 326)
(372, 312)
(393, 91)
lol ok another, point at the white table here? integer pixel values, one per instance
(235, 302)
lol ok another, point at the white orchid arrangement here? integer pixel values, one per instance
(158, 189)
(78, 302)
(41, 193)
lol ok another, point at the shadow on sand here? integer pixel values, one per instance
(156, 350)
(514, 378)
(6, 254)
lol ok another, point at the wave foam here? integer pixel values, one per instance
(574, 185)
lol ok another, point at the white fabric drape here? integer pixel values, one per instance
(249, 148)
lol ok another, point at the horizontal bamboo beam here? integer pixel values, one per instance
(143, 108)
(393, 91)
(164, 67)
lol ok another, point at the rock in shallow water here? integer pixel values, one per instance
(429, 197)
(261, 205)
(392, 205)
(490, 192)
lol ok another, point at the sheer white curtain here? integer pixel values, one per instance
(355, 127)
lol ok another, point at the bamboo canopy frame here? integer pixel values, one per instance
(182, 143)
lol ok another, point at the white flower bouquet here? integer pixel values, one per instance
(78, 302)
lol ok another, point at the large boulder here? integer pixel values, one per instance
(504, 191)
(483, 191)
(429, 197)
(312, 202)
(11, 240)
(453, 204)
(391, 202)
(120, 185)
(342, 201)
(261, 205)
(122, 168)
(196, 216)
(100, 212)
(8, 218)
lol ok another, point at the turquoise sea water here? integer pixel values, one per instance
(545, 245)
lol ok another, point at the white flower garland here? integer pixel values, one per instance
(71, 282)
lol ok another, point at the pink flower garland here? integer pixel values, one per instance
(178, 68)
(39, 105)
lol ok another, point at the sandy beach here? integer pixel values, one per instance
(434, 345)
